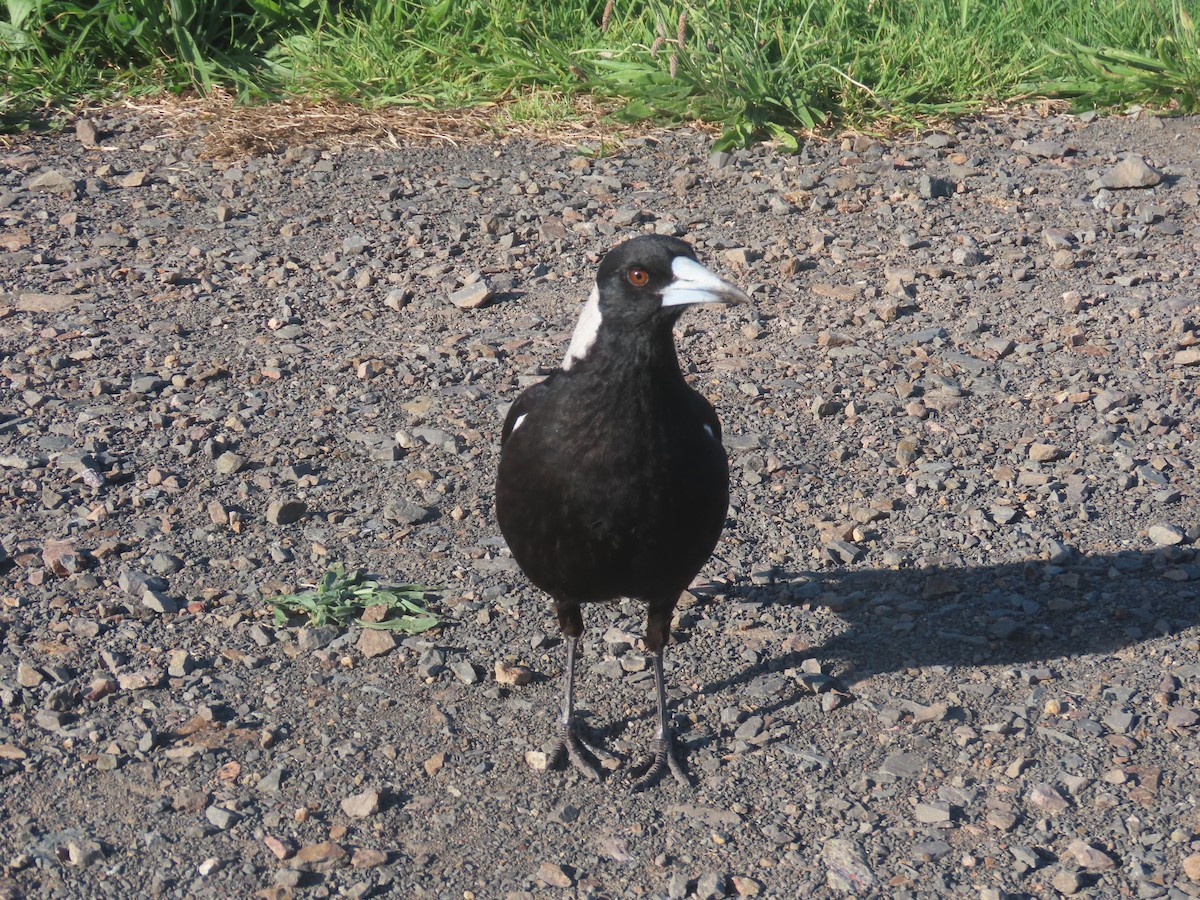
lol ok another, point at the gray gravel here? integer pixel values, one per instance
(949, 644)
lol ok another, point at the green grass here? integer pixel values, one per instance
(341, 597)
(759, 68)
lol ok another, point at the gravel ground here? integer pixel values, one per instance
(947, 646)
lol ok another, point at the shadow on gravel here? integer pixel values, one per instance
(1010, 614)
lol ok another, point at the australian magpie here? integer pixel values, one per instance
(612, 480)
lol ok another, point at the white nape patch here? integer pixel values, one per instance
(585, 330)
(521, 418)
(706, 427)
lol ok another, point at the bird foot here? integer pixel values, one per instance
(655, 763)
(571, 747)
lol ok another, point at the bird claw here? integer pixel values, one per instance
(654, 764)
(571, 747)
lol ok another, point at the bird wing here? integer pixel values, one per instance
(704, 412)
(529, 400)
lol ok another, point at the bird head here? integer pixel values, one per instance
(643, 285)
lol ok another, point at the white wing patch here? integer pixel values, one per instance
(585, 330)
(707, 428)
(521, 418)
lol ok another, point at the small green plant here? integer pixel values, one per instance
(341, 597)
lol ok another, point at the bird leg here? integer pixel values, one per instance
(570, 745)
(662, 749)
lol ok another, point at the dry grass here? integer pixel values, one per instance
(229, 130)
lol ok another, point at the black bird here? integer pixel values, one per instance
(613, 481)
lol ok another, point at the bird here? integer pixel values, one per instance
(612, 480)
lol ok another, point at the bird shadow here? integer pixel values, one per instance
(1027, 613)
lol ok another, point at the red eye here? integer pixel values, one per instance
(638, 277)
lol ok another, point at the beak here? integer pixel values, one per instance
(695, 284)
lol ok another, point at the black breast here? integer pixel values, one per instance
(613, 487)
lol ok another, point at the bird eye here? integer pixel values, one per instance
(638, 277)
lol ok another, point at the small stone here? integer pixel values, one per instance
(180, 663)
(1109, 399)
(142, 679)
(1131, 172)
(1188, 357)
(1191, 867)
(28, 675)
(934, 813)
(1066, 881)
(464, 671)
(359, 806)
(903, 765)
(554, 875)
(271, 782)
(229, 463)
(53, 182)
(845, 868)
(61, 558)
(314, 638)
(472, 296)
(434, 764)
(908, 450)
(1046, 798)
(1044, 452)
(1165, 534)
(159, 602)
(367, 858)
(514, 675)
(1062, 260)
(375, 642)
(1182, 717)
(431, 663)
(745, 886)
(1089, 857)
(85, 132)
(84, 853)
(281, 848)
(930, 187)
(50, 720)
(322, 857)
(536, 760)
(711, 886)
(285, 512)
(221, 817)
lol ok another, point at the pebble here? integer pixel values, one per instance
(361, 805)
(903, 765)
(1131, 172)
(322, 857)
(374, 642)
(472, 296)
(554, 875)
(229, 463)
(1067, 881)
(1166, 534)
(285, 512)
(513, 675)
(1088, 857)
(1191, 867)
(935, 813)
(222, 818)
(465, 671)
(846, 869)
(159, 602)
(1046, 798)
